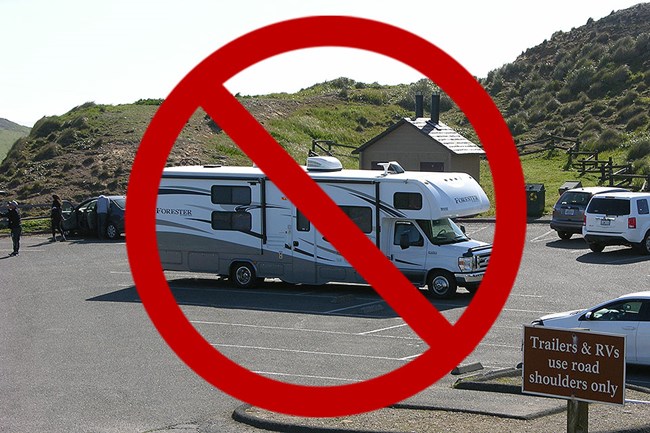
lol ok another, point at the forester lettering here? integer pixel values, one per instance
(181, 212)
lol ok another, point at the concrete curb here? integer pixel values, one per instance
(241, 415)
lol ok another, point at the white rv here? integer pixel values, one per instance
(234, 222)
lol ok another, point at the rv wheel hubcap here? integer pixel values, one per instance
(440, 285)
(243, 275)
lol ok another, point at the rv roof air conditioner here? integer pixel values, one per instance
(392, 167)
(323, 163)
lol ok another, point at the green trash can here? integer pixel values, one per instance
(535, 199)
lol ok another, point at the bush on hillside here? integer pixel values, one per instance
(638, 121)
(45, 127)
(49, 151)
(609, 139)
(639, 149)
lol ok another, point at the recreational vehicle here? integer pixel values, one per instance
(234, 222)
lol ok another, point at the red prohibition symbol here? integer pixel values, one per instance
(448, 344)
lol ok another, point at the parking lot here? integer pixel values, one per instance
(79, 353)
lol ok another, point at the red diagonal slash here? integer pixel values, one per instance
(203, 87)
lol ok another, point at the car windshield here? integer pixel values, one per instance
(442, 231)
(609, 206)
(120, 202)
(575, 198)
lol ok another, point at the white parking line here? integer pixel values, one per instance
(279, 328)
(338, 310)
(312, 352)
(306, 376)
(382, 329)
(319, 331)
(541, 237)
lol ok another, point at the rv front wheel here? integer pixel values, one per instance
(442, 285)
(243, 275)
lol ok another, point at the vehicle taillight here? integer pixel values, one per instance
(584, 220)
(631, 223)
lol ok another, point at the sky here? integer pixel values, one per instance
(56, 55)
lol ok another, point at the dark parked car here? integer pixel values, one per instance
(82, 218)
(569, 211)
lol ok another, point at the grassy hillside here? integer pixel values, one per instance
(9, 133)
(591, 84)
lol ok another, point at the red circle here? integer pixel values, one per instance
(203, 87)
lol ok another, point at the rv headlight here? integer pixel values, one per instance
(466, 264)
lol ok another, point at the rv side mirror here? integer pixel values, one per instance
(404, 241)
(462, 229)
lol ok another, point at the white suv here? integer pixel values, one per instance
(618, 218)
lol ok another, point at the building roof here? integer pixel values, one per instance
(439, 132)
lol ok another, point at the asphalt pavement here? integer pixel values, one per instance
(78, 352)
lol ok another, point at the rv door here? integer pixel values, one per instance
(408, 250)
(303, 249)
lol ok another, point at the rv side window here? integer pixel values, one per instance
(407, 200)
(302, 223)
(234, 221)
(407, 229)
(361, 216)
(231, 194)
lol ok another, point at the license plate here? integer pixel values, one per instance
(569, 212)
(604, 222)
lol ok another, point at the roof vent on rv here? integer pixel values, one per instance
(323, 163)
(392, 167)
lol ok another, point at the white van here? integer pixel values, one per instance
(234, 222)
(618, 218)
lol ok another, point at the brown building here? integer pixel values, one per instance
(422, 144)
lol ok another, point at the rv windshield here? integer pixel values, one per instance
(442, 231)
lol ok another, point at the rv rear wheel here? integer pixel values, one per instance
(243, 275)
(442, 284)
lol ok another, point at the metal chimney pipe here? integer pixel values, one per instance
(435, 109)
(419, 105)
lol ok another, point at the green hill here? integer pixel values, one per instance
(591, 84)
(9, 133)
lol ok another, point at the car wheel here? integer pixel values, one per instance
(112, 232)
(442, 285)
(644, 246)
(564, 235)
(243, 275)
(596, 248)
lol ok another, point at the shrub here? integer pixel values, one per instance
(642, 166)
(149, 101)
(68, 136)
(608, 140)
(593, 125)
(45, 127)
(637, 122)
(639, 149)
(628, 113)
(48, 152)
(623, 51)
(579, 80)
(518, 124)
(617, 79)
(628, 99)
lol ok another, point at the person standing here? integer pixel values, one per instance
(102, 215)
(14, 225)
(56, 217)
